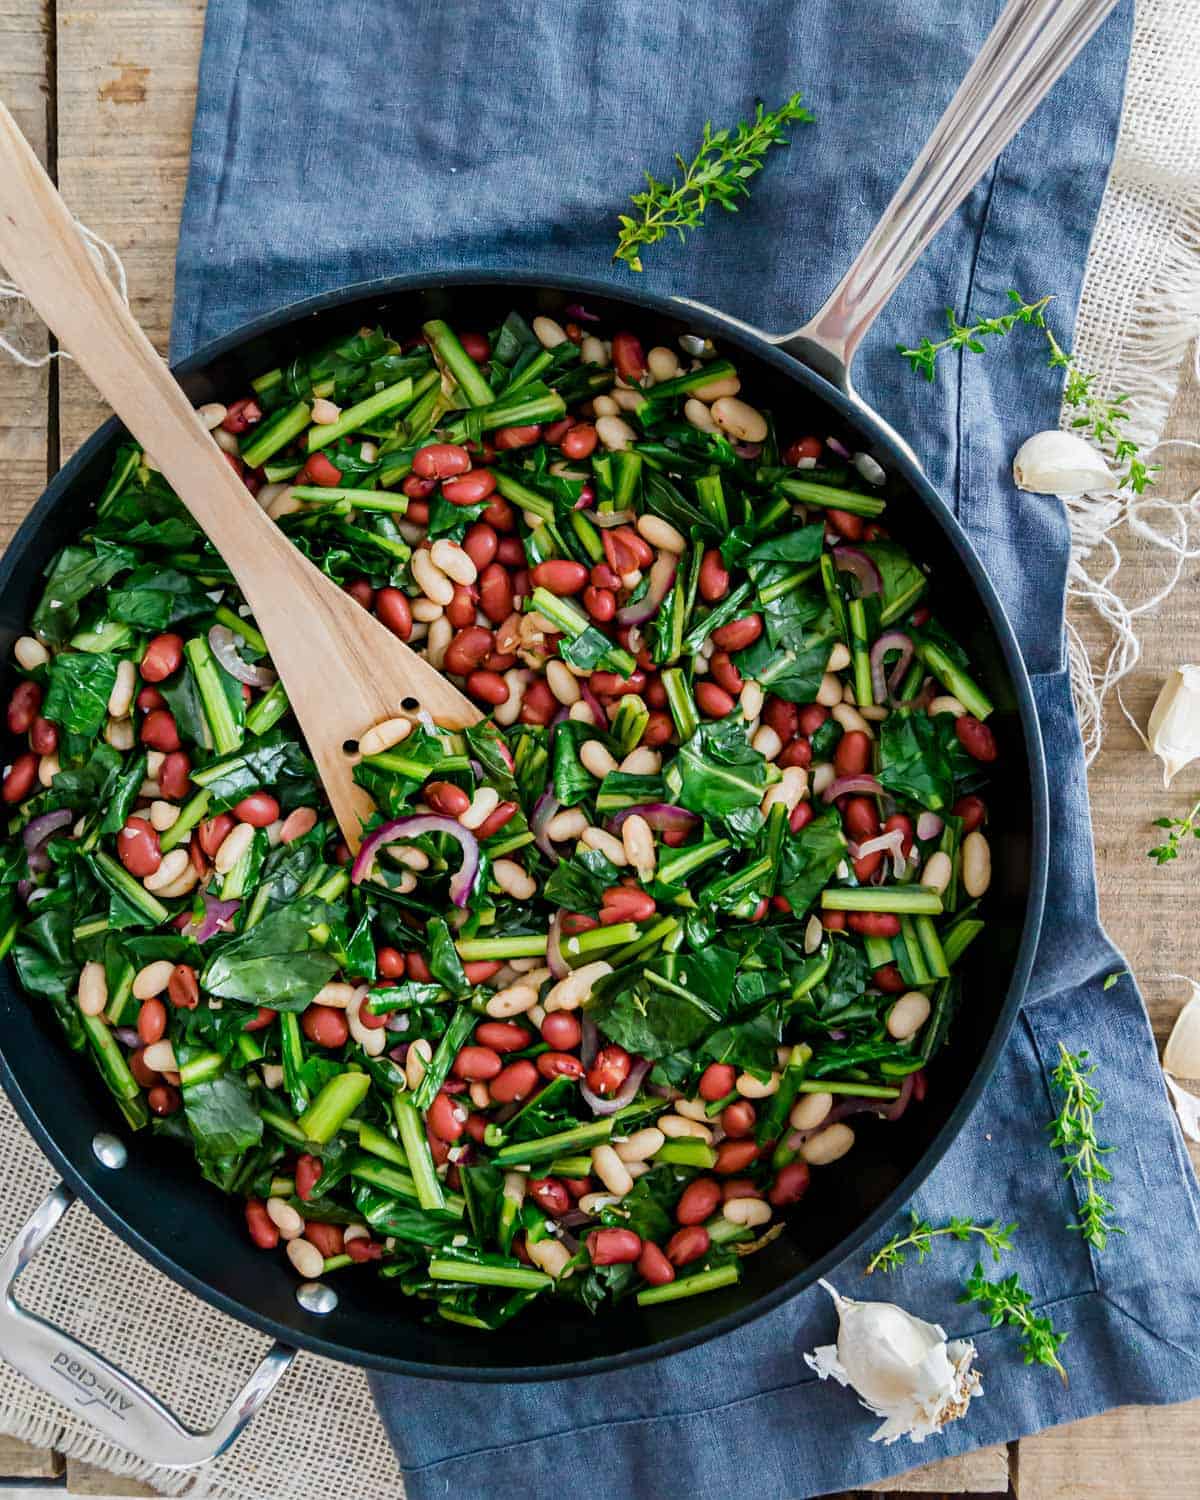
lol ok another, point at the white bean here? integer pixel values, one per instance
(605, 406)
(830, 691)
(383, 736)
(626, 399)
(233, 846)
(483, 804)
(695, 411)
(642, 761)
(441, 633)
(416, 1059)
(946, 705)
(749, 1212)
(173, 866)
(211, 414)
(641, 1145)
(827, 1145)
(93, 989)
(30, 653)
(548, 333)
(160, 1057)
(851, 720)
(615, 433)
(637, 840)
(426, 611)
(49, 767)
(430, 579)
(571, 992)
(692, 1109)
(325, 412)
(663, 363)
(515, 680)
(120, 700)
(592, 351)
(937, 871)
(677, 1127)
(450, 558)
(513, 880)
(809, 1110)
(660, 533)
(821, 777)
(513, 1001)
(568, 824)
(152, 979)
(285, 1218)
(337, 993)
(551, 1256)
(839, 658)
(163, 815)
(285, 503)
(605, 843)
(272, 1075)
(610, 1169)
(371, 1039)
(813, 934)
(751, 699)
(226, 441)
(908, 1015)
(766, 742)
(739, 420)
(408, 856)
(976, 864)
(119, 733)
(723, 385)
(562, 682)
(754, 1088)
(306, 1258)
(592, 1203)
(181, 885)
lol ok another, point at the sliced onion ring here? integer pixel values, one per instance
(543, 810)
(38, 832)
(865, 784)
(859, 565)
(555, 962)
(662, 577)
(929, 825)
(218, 917)
(606, 519)
(892, 843)
(220, 638)
(663, 817)
(462, 882)
(886, 687)
(624, 1094)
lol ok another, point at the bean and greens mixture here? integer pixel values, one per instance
(612, 970)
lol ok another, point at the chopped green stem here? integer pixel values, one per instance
(694, 380)
(113, 1068)
(462, 1023)
(275, 433)
(356, 417)
(832, 498)
(649, 940)
(284, 1127)
(690, 1286)
(685, 1152)
(371, 1139)
(560, 612)
(679, 701)
(912, 946)
(267, 710)
(334, 1105)
(711, 495)
(860, 646)
(449, 349)
(416, 1148)
(226, 731)
(954, 679)
(847, 1086)
(565, 1142)
(118, 880)
(517, 410)
(582, 945)
(201, 1069)
(571, 1166)
(788, 584)
(239, 626)
(960, 936)
(485, 1275)
(892, 898)
(681, 863)
(316, 494)
(531, 945)
(931, 946)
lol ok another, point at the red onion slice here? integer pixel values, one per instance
(929, 825)
(865, 784)
(555, 962)
(607, 519)
(663, 817)
(220, 638)
(856, 1104)
(462, 882)
(886, 687)
(218, 917)
(859, 565)
(580, 313)
(589, 1041)
(662, 577)
(598, 715)
(624, 1094)
(839, 448)
(543, 810)
(38, 832)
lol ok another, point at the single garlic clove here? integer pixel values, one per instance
(1174, 728)
(901, 1367)
(1187, 1107)
(1061, 463)
(1181, 1055)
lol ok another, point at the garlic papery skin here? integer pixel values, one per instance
(901, 1367)
(1061, 463)
(1174, 728)
(1181, 1055)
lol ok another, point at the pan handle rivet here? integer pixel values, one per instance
(316, 1297)
(109, 1150)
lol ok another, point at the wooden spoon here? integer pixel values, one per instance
(343, 670)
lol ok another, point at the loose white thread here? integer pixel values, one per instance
(105, 257)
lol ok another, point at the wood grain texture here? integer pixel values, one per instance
(984, 1472)
(1137, 1453)
(23, 1461)
(86, 1479)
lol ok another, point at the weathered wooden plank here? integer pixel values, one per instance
(24, 87)
(1137, 1453)
(23, 1461)
(984, 1472)
(86, 1479)
(126, 94)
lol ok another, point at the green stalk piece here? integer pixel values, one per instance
(333, 1106)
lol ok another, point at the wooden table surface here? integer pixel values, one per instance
(105, 92)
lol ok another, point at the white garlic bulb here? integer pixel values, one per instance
(1174, 728)
(1181, 1055)
(901, 1367)
(1061, 463)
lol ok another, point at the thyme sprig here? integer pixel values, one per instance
(1179, 828)
(1073, 1133)
(921, 1235)
(718, 173)
(1100, 418)
(1007, 1301)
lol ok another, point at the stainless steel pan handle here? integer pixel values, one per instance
(1031, 44)
(104, 1395)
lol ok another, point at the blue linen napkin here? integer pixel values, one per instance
(334, 146)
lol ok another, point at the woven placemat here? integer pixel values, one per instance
(319, 1434)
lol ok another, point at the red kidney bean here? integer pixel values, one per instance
(760, 910)
(560, 576)
(699, 1200)
(476, 1064)
(446, 798)
(610, 685)
(481, 971)
(495, 821)
(508, 438)
(797, 752)
(903, 823)
(488, 686)
(889, 979)
(263, 1017)
(734, 1157)
(559, 1065)
(500, 515)
(213, 832)
(137, 847)
(321, 469)
(467, 650)
(520, 583)
(325, 1026)
(922, 615)
(162, 657)
(653, 1266)
(476, 345)
(884, 924)
(810, 718)
(390, 963)
(461, 609)
(853, 754)
(603, 577)
(511, 552)
(447, 1118)
(539, 705)
(613, 1247)
(183, 987)
(145, 1076)
(716, 1081)
(790, 1185)
(503, 1036)
(480, 544)
(860, 818)
(151, 1022)
(654, 694)
(738, 634)
(976, 739)
(23, 707)
(477, 1126)
(781, 716)
(495, 593)
(440, 461)
(833, 921)
(687, 1245)
(470, 489)
(801, 448)
(149, 698)
(643, 552)
(739, 1187)
(393, 610)
(328, 1238)
(259, 809)
(556, 431)
(258, 1222)
(601, 604)
(714, 576)
(580, 441)
(624, 905)
(362, 1250)
(577, 1186)
(846, 524)
(517, 1081)
(659, 729)
(360, 591)
(800, 816)
(159, 731)
(418, 490)
(724, 673)
(609, 1071)
(240, 415)
(43, 737)
(308, 1174)
(972, 811)
(561, 1030)
(628, 359)
(738, 1119)
(549, 1194)
(713, 701)
(173, 776)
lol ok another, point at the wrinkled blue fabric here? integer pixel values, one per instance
(386, 136)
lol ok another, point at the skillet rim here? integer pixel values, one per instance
(938, 512)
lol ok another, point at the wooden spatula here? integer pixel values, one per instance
(343, 670)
